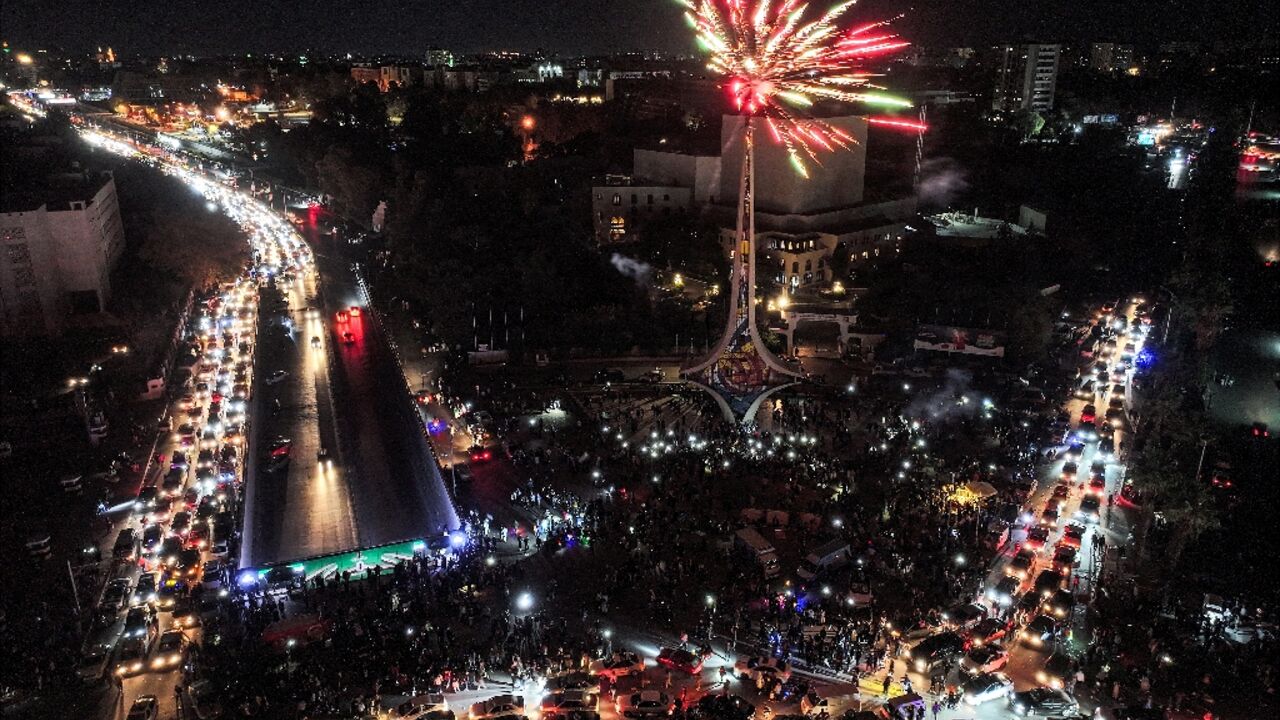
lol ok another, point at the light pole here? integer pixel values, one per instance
(711, 620)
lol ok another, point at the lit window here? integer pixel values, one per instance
(617, 199)
(617, 227)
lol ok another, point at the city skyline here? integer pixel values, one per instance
(569, 26)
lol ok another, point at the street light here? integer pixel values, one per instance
(524, 602)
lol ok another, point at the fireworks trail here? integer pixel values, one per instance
(777, 64)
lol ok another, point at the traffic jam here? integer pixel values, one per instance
(1018, 633)
(176, 541)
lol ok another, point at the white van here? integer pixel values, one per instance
(824, 558)
(765, 555)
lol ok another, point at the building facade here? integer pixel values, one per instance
(56, 256)
(620, 207)
(1026, 77)
(1110, 57)
(385, 76)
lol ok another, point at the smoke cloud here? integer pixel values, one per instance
(942, 180)
(634, 269)
(954, 399)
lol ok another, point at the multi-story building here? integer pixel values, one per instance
(385, 76)
(57, 248)
(623, 203)
(800, 221)
(1026, 77)
(437, 57)
(1110, 57)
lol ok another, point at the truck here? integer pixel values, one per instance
(826, 557)
(750, 540)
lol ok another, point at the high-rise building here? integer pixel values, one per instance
(1026, 77)
(437, 57)
(57, 247)
(1110, 57)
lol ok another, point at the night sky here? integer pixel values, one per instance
(574, 26)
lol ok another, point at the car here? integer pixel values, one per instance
(1088, 414)
(315, 341)
(189, 564)
(479, 453)
(1022, 564)
(1064, 558)
(126, 545)
(497, 706)
(132, 657)
(1107, 449)
(152, 536)
(348, 339)
(612, 375)
(420, 707)
(1073, 535)
(566, 702)
(276, 376)
(935, 650)
(724, 707)
(1044, 702)
(170, 651)
(1037, 537)
(178, 461)
(280, 446)
(573, 680)
(462, 471)
(219, 549)
(986, 687)
(1087, 431)
(1049, 517)
(1058, 605)
(643, 704)
(145, 589)
(167, 554)
(181, 522)
(1048, 582)
(963, 616)
(750, 668)
(1089, 510)
(988, 631)
(985, 659)
(161, 511)
(1040, 632)
(1055, 671)
(1061, 492)
(1005, 590)
(354, 311)
(145, 707)
(1097, 485)
(140, 622)
(1086, 391)
(185, 434)
(146, 499)
(1117, 390)
(115, 595)
(1075, 451)
(681, 660)
(619, 664)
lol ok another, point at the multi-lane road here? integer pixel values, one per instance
(323, 388)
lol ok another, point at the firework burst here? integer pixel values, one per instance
(776, 64)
